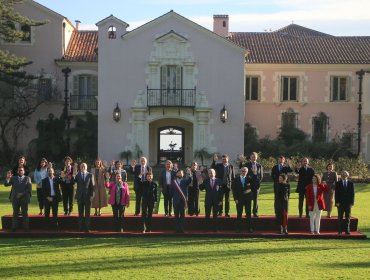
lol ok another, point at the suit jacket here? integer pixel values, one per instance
(46, 188)
(125, 194)
(219, 168)
(257, 181)
(310, 197)
(239, 191)
(275, 172)
(163, 179)
(85, 188)
(23, 185)
(198, 178)
(345, 196)
(212, 195)
(136, 171)
(177, 198)
(150, 190)
(304, 178)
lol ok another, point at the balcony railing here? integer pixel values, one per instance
(171, 97)
(83, 102)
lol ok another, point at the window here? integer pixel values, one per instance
(289, 89)
(252, 86)
(289, 119)
(320, 127)
(85, 85)
(171, 77)
(45, 88)
(339, 88)
(112, 32)
(85, 88)
(26, 29)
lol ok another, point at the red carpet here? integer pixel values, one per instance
(102, 226)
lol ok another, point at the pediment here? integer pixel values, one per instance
(171, 36)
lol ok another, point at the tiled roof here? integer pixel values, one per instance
(83, 46)
(292, 44)
(299, 45)
(300, 31)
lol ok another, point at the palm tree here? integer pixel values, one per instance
(126, 154)
(202, 154)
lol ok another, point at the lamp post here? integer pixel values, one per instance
(66, 72)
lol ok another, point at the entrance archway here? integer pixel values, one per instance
(170, 139)
(171, 142)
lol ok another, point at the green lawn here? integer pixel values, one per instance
(185, 258)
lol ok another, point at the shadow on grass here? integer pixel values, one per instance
(152, 258)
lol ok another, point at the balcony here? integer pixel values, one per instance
(171, 98)
(83, 102)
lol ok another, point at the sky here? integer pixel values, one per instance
(335, 17)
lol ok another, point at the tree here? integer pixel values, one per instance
(202, 154)
(18, 99)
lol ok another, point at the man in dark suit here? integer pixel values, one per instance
(279, 168)
(242, 188)
(179, 189)
(305, 174)
(254, 169)
(50, 187)
(84, 194)
(139, 171)
(149, 198)
(344, 200)
(193, 192)
(225, 172)
(213, 188)
(165, 182)
(20, 196)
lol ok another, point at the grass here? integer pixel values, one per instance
(184, 258)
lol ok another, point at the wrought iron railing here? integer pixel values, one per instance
(171, 97)
(83, 102)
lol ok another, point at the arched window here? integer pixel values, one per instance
(224, 24)
(112, 32)
(289, 119)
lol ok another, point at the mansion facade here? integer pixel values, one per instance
(171, 87)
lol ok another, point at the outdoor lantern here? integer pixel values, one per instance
(223, 114)
(117, 113)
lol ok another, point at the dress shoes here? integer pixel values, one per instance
(227, 215)
(255, 215)
(348, 233)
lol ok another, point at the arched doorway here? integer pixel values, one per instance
(162, 132)
(171, 143)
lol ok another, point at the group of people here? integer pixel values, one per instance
(181, 191)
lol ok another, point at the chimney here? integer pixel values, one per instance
(77, 24)
(221, 25)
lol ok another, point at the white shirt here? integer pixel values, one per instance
(168, 177)
(52, 192)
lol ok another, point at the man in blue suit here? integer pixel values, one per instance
(50, 187)
(179, 191)
(243, 188)
(344, 200)
(165, 182)
(254, 170)
(213, 188)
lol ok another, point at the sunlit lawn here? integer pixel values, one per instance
(189, 258)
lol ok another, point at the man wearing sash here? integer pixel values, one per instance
(180, 196)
